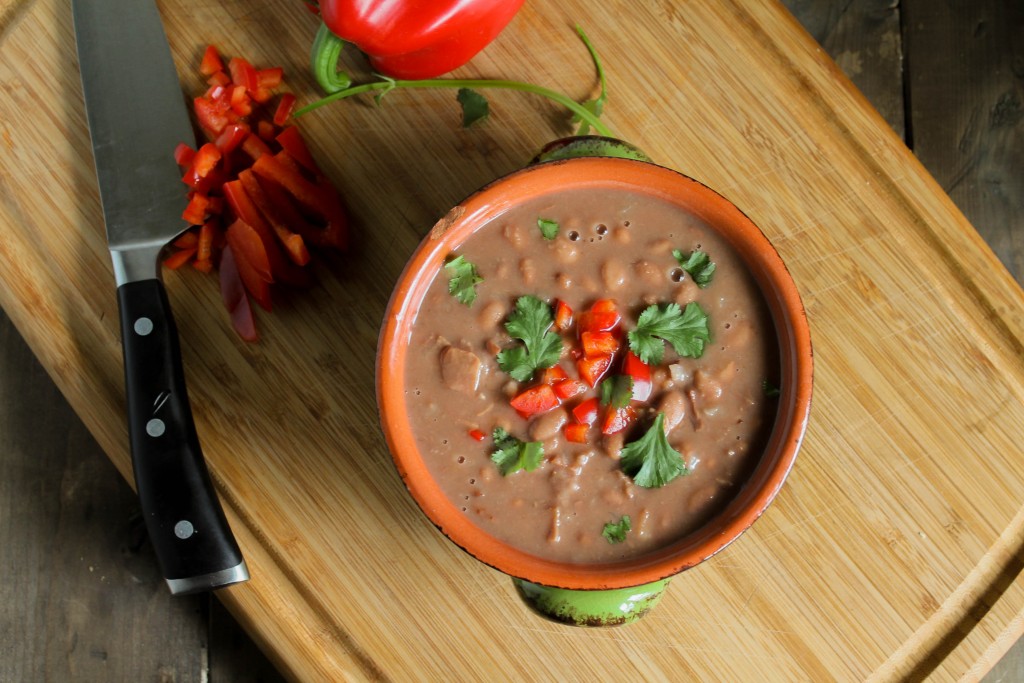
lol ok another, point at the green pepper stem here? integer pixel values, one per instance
(327, 49)
(567, 102)
(324, 58)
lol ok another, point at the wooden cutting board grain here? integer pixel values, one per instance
(892, 552)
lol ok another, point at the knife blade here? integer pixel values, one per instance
(137, 115)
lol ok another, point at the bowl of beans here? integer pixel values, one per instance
(594, 374)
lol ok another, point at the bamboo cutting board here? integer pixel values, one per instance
(892, 552)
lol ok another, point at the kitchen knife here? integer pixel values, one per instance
(137, 116)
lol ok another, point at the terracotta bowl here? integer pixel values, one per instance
(787, 314)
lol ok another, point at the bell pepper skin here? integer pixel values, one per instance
(413, 40)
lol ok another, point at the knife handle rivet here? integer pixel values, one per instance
(184, 529)
(155, 427)
(143, 326)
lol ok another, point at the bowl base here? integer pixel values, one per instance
(591, 607)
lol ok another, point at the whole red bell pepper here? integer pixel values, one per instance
(416, 39)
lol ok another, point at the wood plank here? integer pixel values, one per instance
(808, 506)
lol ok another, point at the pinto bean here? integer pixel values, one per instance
(648, 272)
(686, 291)
(547, 426)
(564, 280)
(613, 274)
(613, 444)
(660, 246)
(622, 235)
(514, 233)
(527, 269)
(491, 315)
(673, 406)
(460, 369)
(566, 251)
(709, 388)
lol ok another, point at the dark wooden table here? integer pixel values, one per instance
(80, 596)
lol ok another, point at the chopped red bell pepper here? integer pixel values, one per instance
(252, 262)
(598, 343)
(563, 316)
(417, 39)
(603, 316)
(617, 419)
(269, 78)
(211, 62)
(569, 388)
(535, 400)
(233, 295)
(553, 375)
(195, 212)
(641, 374)
(183, 154)
(179, 258)
(586, 412)
(477, 435)
(231, 137)
(576, 433)
(593, 368)
(291, 141)
(243, 73)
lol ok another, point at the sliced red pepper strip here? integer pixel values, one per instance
(211, 62)
(231, 137)
(291, 141)
(321, 200)
(195, 212)
(291, 216)
(179, 258)
(284, 109)
(293, 244)
(232, 293)
(576, 433)
(592, 368)
(204, 242)
(641, 374)
(187, 240)
(535, 400)
(255, 147)
(586, 412)
(282, 268)
(251, 260)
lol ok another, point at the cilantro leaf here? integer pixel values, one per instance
(530, 322)
(512, 455)
(548, 228)
(615, 532)
(686, 330)
(474, 107)
(616, 391)
(698, 264)
(462, 280)
(650, 460)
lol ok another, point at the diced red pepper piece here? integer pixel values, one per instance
(231, 137)
(241, 104)
(291, 141)
(211, 117)
(553, 375)
(219, 78)
(569, 388)
(243, 73)
(203, 163)
(270, 78)
(641, 374)
(183, 154)
(179, 258)
(261, 95)
(233, 295)
(284, 109)
(598, 343)
(477, 435)
(535, 400)
(266, 130)
(576, 433)
(603, 316)
(195, 212)
(592, 368)
(204, 242)
(563, 316)
(586, 412)
(211, 62)
(617, 419)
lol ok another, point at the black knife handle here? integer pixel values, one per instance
(193, 542)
